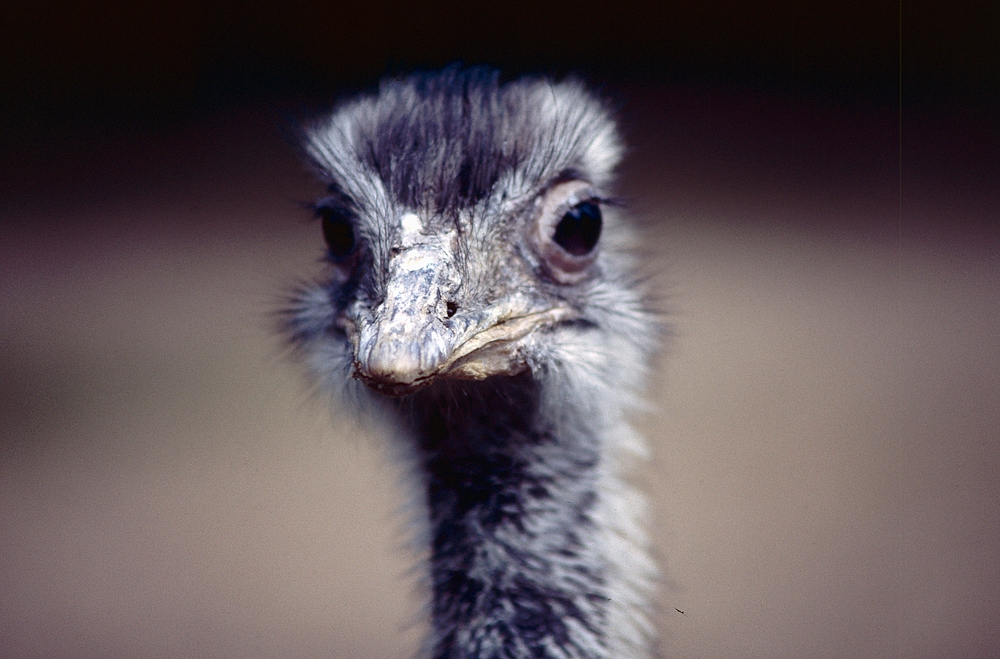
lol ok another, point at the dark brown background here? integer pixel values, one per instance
(824, 423)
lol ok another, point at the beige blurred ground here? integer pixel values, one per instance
(825, 480)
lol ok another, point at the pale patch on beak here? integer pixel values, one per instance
(408, 339)
(413, 337)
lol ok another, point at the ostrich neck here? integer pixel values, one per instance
(516, 569)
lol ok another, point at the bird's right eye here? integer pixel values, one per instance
(338, 232)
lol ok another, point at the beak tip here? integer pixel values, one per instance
(396, 363)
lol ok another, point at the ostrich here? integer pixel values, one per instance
(479, 297)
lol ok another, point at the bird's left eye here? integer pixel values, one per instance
(579, 229)
(567, 230)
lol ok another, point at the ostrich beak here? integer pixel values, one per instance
(414, 336)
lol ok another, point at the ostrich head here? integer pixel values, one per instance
(470, 234)
(480, 292)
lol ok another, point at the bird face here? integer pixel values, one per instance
(464, 230)
(452, 302)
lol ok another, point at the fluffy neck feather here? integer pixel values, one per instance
(518, 561)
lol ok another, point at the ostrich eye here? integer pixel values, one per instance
(338, 232)
(579, 229)
(566, 230)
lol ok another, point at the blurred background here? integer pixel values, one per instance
(817, 187)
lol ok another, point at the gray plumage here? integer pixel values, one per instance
(480, 298)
